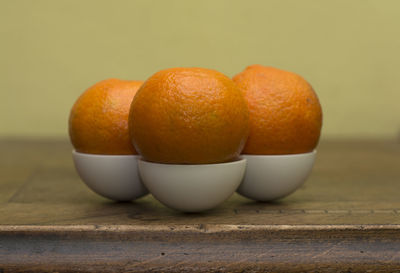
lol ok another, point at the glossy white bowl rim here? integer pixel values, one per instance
(102, 155)
(240, 159)
(282, 155)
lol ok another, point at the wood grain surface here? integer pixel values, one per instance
(345, 218)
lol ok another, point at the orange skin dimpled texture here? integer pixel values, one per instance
(98, 122)
(285, 113)
(189, 116)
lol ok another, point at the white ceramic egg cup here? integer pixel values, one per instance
(192, 188)
(271, 177)
(112, 176)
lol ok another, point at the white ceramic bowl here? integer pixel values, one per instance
(192, 188)
(113, 176)
(270, 177)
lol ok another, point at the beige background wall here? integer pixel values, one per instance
(51, 51)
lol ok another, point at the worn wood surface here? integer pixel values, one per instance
(345, 218)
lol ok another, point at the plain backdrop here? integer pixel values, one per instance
(52, 50)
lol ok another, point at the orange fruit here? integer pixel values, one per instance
(189, 116)
(285, 113)
(98, 122)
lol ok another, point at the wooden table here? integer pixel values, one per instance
(345, 218)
